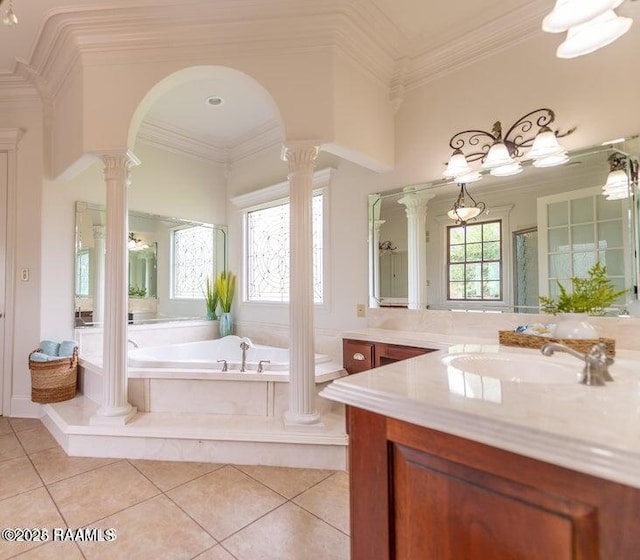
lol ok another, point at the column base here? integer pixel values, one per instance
(303, 422)
(113, 417)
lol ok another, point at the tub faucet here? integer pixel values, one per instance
(244, 347)
(261, 366)
(225, 367)
(596, 361)
(132, 342)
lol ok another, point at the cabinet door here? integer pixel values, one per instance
(357, 355)
(389, 353)
(444, 510)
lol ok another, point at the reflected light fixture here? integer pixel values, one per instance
(499, 153)
(9, 18)
(465, 208)
(590, 25)
(619, 183)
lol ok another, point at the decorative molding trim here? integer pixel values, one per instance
(321, 179)
(503, 32)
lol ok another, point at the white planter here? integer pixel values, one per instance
(574, 325)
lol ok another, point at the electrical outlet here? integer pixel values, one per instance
(360, 310)
(25, 275)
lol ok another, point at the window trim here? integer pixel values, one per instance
(448, 262)
(279, 194)
(172, 249)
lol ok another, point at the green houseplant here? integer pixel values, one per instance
(591, 295)
(210, 298)
(225, 287)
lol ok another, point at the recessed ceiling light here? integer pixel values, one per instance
(215, 100)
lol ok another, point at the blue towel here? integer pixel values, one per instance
(41, 357)
(49, 347)
(66, 348)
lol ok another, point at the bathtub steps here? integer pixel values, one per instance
(218, 438)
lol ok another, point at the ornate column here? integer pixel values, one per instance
(375, 264)
(98, 274)
(115, 407)
(301, 156)
(416, 209)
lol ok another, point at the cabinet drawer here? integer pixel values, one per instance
(389, 353)
(357, 355)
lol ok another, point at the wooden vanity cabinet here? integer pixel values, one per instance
(417, 493)
(359, 355)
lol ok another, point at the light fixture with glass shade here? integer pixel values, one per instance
(9, 18)
(590, 25)
(623, 175)
(465, 208)
(569, 13)
(500, 153)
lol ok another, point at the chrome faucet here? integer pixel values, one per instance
(133, 342)
(596, 361)
(225, 367)
(244, 347)
(261, 366)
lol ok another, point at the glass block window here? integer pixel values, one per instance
(474, 262)
(193, 260)
(82, 273)
(267, 252)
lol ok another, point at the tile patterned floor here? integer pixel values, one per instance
(167, 510)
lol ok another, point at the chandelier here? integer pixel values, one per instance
(499, 154)
(590, 25)
(623, 174)
(465, 208)
(9, 18)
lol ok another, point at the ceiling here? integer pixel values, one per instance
(422, 25)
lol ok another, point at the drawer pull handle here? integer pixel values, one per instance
(359, 356)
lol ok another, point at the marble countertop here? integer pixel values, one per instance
(595, 430)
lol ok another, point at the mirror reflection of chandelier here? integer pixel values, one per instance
(9, 18)
(501, 154)
(465, 208)
(590, 25)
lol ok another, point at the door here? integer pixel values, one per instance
(3, 260)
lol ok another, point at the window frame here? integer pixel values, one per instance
(273, 196)
(448, 262)
(172, 260)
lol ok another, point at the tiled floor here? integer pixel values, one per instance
(163, 509)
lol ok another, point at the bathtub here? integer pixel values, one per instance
(204, 355)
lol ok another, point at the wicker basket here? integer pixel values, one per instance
(54, 381)
(512, 338)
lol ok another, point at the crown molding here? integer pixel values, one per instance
(18, 91)
(160, 135)
(257, 140)
(512, 28)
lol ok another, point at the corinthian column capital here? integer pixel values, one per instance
(300, 154)
(117, 164)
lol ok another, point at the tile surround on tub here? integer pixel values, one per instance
(486, 325)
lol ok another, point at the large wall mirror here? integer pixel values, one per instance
(539, 228)
(169, 261)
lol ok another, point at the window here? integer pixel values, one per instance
(193, 260)
(474, 262)
(82, 273)
(267, 252)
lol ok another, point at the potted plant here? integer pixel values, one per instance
(225, 287)
(210, 298)
(589, 296)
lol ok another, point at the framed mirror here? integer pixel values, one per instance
(169, 261)
(537, 229)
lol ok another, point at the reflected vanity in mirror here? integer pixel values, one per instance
(538, 228)
(169, 260)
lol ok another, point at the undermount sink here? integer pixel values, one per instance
(515, 368)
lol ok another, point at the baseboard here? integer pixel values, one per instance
(24, 407)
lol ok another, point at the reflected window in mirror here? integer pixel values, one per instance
(83, 283)
(474, 264)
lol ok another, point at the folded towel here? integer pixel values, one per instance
(537, 329)
(66, 348)
(49, 347)
(41, 357)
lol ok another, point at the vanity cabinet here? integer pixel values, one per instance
(420, 493)
(360, 355)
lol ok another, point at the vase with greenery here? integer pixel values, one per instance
(591, 295)
(225, 287)
(210, 298)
